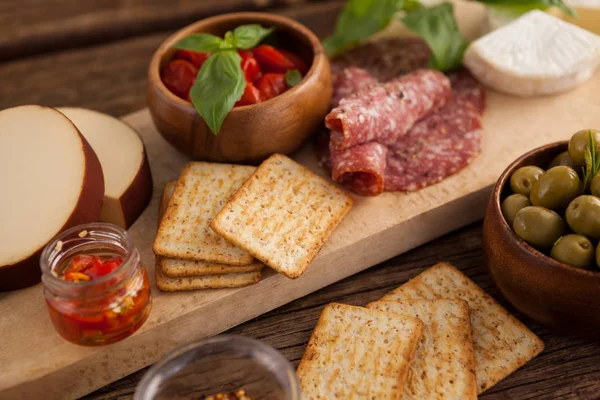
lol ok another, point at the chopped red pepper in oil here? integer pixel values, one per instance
(237, 395)
(112, 312)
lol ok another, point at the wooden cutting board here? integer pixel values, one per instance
(36, 363)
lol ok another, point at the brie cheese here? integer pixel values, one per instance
(535, 55)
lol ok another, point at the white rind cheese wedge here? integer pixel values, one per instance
(537, 54)
(124, 163)
(50, 180)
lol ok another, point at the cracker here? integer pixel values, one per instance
(501, 343)
(184, 231)
(166, 195)
(167, 284)
(358, 353)
(283, 215)
(176, 268)
(444, 367)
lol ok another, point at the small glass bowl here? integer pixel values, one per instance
(220, 364)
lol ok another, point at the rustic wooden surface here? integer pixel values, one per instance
(111, 78)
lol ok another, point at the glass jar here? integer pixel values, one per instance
(102, 310)
(217, 365)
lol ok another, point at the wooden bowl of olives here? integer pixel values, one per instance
(541, 234)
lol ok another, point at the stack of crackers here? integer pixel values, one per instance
(221, 224)
(439, 336)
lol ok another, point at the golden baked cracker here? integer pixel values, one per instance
(358, 353)
(201, 191)
(175, 268)
(501, 343)
(283, 215)
(444, 366)
(167, 284)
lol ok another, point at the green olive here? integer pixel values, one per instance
(595, 186)
(598, 255)
(511, 206)
(563, 159)
(575, 250)
(556, 188)
(522, 180)
(579, 141)
(538, 226)
(583, 216)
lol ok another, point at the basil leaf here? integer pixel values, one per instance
(228, 41)
(412, 5)
(200, 42)
(437, 26)
(249, 36)
(523, 6)
(359, 20)
(293, 77)
(219, 84)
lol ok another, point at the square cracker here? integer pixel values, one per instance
(444, 366)
(358, 353)
(184, 231)
(167, 284)
(176, 268)
(501, 343)
(283, 215)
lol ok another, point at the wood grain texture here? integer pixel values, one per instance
(567, 369)
(111, 77)
(29, 27)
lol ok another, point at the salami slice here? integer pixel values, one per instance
(466, 88)
(386, 58)
(435, 148)
(349, 81)
(360, 168)
(385, 112)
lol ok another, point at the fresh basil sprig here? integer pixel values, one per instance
(359, 20)
(293, 77)
(248, 36)
(201, 42)
(437, 26)
(220, 83)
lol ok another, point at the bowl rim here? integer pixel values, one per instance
(148, 384)
(265, 18)
(507, 230)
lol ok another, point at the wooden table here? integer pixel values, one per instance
(95, 54)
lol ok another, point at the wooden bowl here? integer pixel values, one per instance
(552, 293)
(250, 133)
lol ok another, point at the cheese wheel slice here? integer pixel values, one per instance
(537, 54)
(123, 158)
(50, 180)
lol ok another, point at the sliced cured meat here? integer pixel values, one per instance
(466, 88)
(385, 112)
(350, 81)
(361, 168)
(386, 58)
(435, 148)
